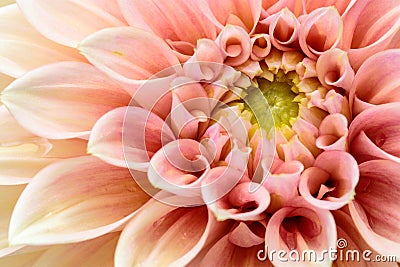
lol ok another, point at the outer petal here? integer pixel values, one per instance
(18, 36)
(55, 102)
(331, 182)
(225, 253)
(377, 200)
(9, 196)
(163, 235)
(236, 12)
(128, 54)
(354, 241)
(301, 227)
(377, 81)
(74, 200)
(128, 137)
(68, 22)
(320, 31)
(187, 24)
(369, 27)
(96, 252)
(375, 132)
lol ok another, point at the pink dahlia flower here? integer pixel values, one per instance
(199, 133)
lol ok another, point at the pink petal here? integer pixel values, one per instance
(246, 202)
(187, 24)
(68, 202)
(301, 228)
(244, 13)
(377, 199)
(128, 137)
(18, 36)
(320, 31)
(333, 133)
(374, 133)
(331, 182)
(165, 235)
(69, 22)
(116, 52)
(334, 69)
(369, 27)
(306, 68)
(284, 30)
(370, 89)
(39, 101)
(235, 44)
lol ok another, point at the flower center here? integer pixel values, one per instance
(273, 98)
(280, 98)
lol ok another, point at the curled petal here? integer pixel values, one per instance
(333, 133)
(206, 63)
(331, 182)
(235, 44)
(334, 70)
(284, 30)
(248, 235)
(287, 173)
(61, 21)
(306, 68)
(369, 27)
(242, 204)
(190, 108)
(261, 46)
(299, 227)
(39, 101)
(296, 150)
(72, 200)
(128, 137)
(320, 31)
(187, 24)
(370, 89)
(373, 213)
(148, 238)
(180, 166)
(18, 36)
(115, 51)
(374, 133)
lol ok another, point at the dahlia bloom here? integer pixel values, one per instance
(198, 132)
